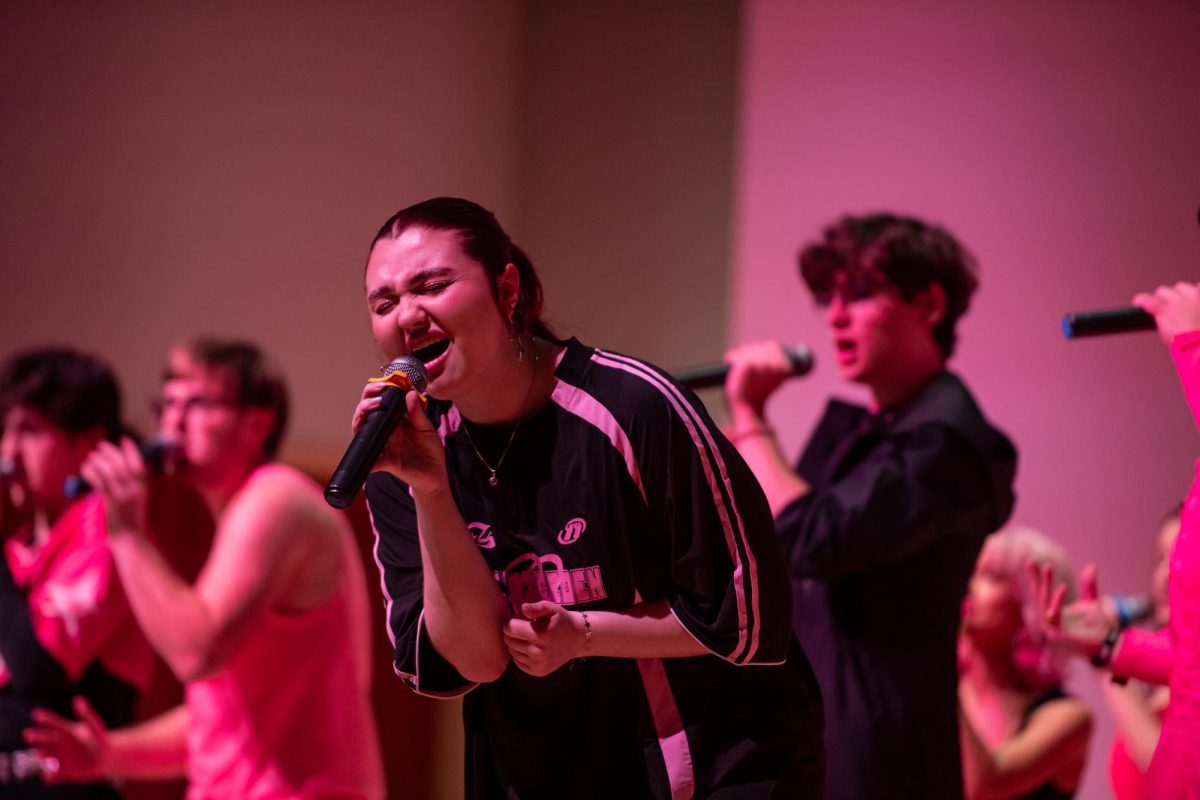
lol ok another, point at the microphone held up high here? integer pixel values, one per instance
(402, 375)
(1104, 321)
(705, 377)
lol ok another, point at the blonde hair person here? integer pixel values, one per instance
(1022, 736)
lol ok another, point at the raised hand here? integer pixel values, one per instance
(71, 750)
(1080, 626)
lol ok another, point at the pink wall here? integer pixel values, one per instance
(1061, 143)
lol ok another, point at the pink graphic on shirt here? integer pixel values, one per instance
(70, 602)
(572, 531)
(481, 532)
(526, 580)
(77, 607)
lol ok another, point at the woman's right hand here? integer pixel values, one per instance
(1081, 626)
(78, 750)
(414, 453)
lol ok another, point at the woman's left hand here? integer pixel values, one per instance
(547, 638)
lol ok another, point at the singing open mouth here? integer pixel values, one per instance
(431, 351)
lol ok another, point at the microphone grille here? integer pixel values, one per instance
(412, 367)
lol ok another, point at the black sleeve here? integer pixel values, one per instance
(927, 483)
(398, 555)
(729, 584)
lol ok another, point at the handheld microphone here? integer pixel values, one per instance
(375, 431)
(799, 356)
(1109, 320)
(156, 453)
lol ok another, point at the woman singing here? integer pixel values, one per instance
(564, 534)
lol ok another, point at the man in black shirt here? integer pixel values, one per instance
(886, 511)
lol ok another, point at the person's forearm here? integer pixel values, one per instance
(1136, 721)
(168, 610)
(1147, 656)
(464, 609)
(648, 630)
(976, 760)
(154, 749)
(755, 440)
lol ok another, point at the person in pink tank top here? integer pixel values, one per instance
(271, 641)
(1170, 656)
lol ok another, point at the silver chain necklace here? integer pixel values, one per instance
(493, 480)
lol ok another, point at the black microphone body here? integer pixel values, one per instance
(1104, 321)
(799, 356)
(156, 452)
(373, 435)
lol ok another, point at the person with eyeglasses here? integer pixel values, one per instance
(270, 641)
(883, 516)
(66, 629)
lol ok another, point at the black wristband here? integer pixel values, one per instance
(1103, 656)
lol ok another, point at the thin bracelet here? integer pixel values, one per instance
(587, 637)
(758, 430)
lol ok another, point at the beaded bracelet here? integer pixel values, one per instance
(587, 636)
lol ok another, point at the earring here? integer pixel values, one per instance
(512, 335)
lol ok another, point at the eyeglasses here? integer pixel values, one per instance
(187, 405)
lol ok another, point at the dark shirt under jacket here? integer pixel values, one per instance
(880, 553)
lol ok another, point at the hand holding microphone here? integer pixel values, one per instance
(753, 372)
(1170, 309)
(118, 472)
(157, 453)
(383, 405)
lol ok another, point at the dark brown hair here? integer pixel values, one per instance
(485, 242)
(74, 390)
(902, 251)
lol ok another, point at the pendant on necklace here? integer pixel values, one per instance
(494, 481)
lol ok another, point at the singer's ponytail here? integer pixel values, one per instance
(484, 241)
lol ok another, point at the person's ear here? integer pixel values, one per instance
(508, 290)
(932, 301)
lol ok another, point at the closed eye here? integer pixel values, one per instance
(432, 288)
